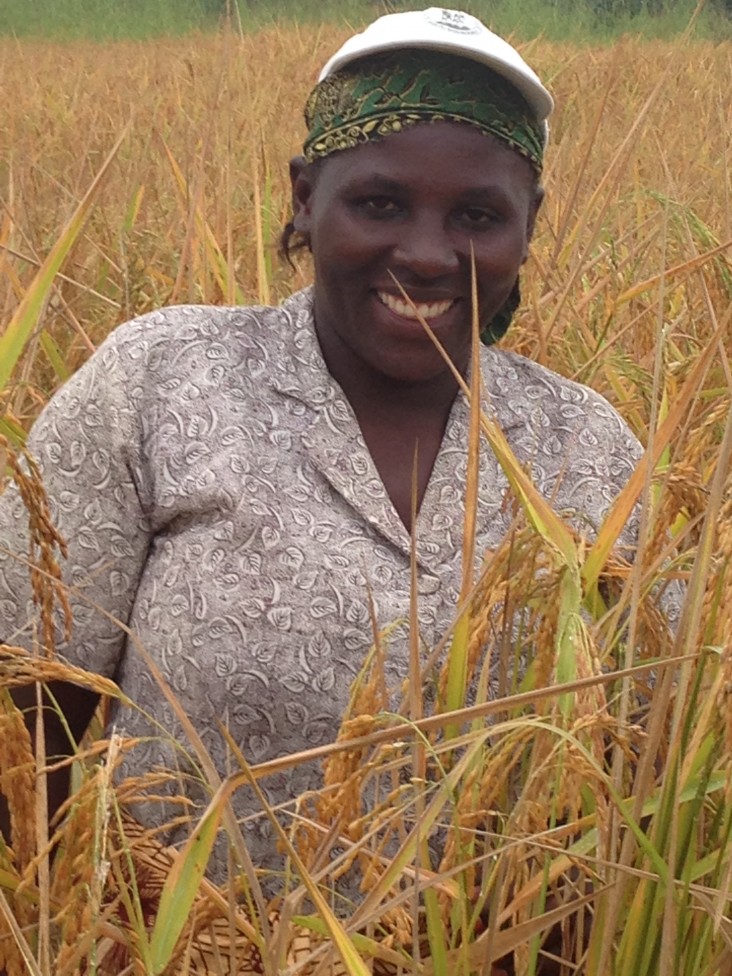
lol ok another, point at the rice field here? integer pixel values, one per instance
(140, 174)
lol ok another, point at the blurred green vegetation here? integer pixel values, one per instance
(574, 20)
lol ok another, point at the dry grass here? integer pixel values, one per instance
(629, 289)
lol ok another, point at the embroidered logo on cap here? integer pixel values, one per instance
(453, 20)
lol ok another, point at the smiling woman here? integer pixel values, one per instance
(378, 220)
(235, 484)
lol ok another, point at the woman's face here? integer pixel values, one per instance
(412, 205)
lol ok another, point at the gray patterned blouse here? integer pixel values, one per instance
(217, 496)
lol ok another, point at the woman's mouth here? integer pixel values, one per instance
(415, 310)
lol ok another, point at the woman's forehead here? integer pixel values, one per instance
(457, 156)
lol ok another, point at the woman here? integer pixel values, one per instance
(234, 482)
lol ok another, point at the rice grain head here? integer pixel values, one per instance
(45, 545)
(18, 786)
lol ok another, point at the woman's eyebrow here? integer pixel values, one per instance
(378, 183)
(375, 183)
(489, 193)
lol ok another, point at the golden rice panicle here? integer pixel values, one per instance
(685, 496)
(501, 638)
(545, 624)
(11, 958)
(531, 753)
(491, 633)
(368, 697)
(19, 668)
(484, 641)
(469, 824)
(78, 866)
(487, 616)
(109, 871)
(557, 770)
(45, 542)
(338, 804)
(346, 768)
(18, 782)
(18, 786)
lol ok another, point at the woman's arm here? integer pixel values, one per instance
(87, 446)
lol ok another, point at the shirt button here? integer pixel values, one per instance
(429, 584)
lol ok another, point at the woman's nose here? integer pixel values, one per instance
(425, 248)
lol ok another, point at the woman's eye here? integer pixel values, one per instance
(379, 206)
(478, 216)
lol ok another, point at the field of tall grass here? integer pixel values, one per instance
(143, 174)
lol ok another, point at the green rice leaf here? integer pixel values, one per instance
(55, 356)
(13, 431)
(183, 883)
(457, 664)
(570, 635)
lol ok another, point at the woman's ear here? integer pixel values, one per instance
(303, 183)
(534, 210)
(534, 206)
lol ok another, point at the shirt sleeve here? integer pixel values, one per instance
(87, 444)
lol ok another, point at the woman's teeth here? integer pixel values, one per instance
(424, 310)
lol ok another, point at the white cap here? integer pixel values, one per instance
(454, 32)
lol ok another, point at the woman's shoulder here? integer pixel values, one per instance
(176, 353)
(579, 449)
(185, 347)
(524, 391)
(176, 328)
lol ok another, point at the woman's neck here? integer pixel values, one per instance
(403, 425)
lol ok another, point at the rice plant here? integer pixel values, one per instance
(583, 813)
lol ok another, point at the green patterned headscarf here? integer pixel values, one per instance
(382, 94)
